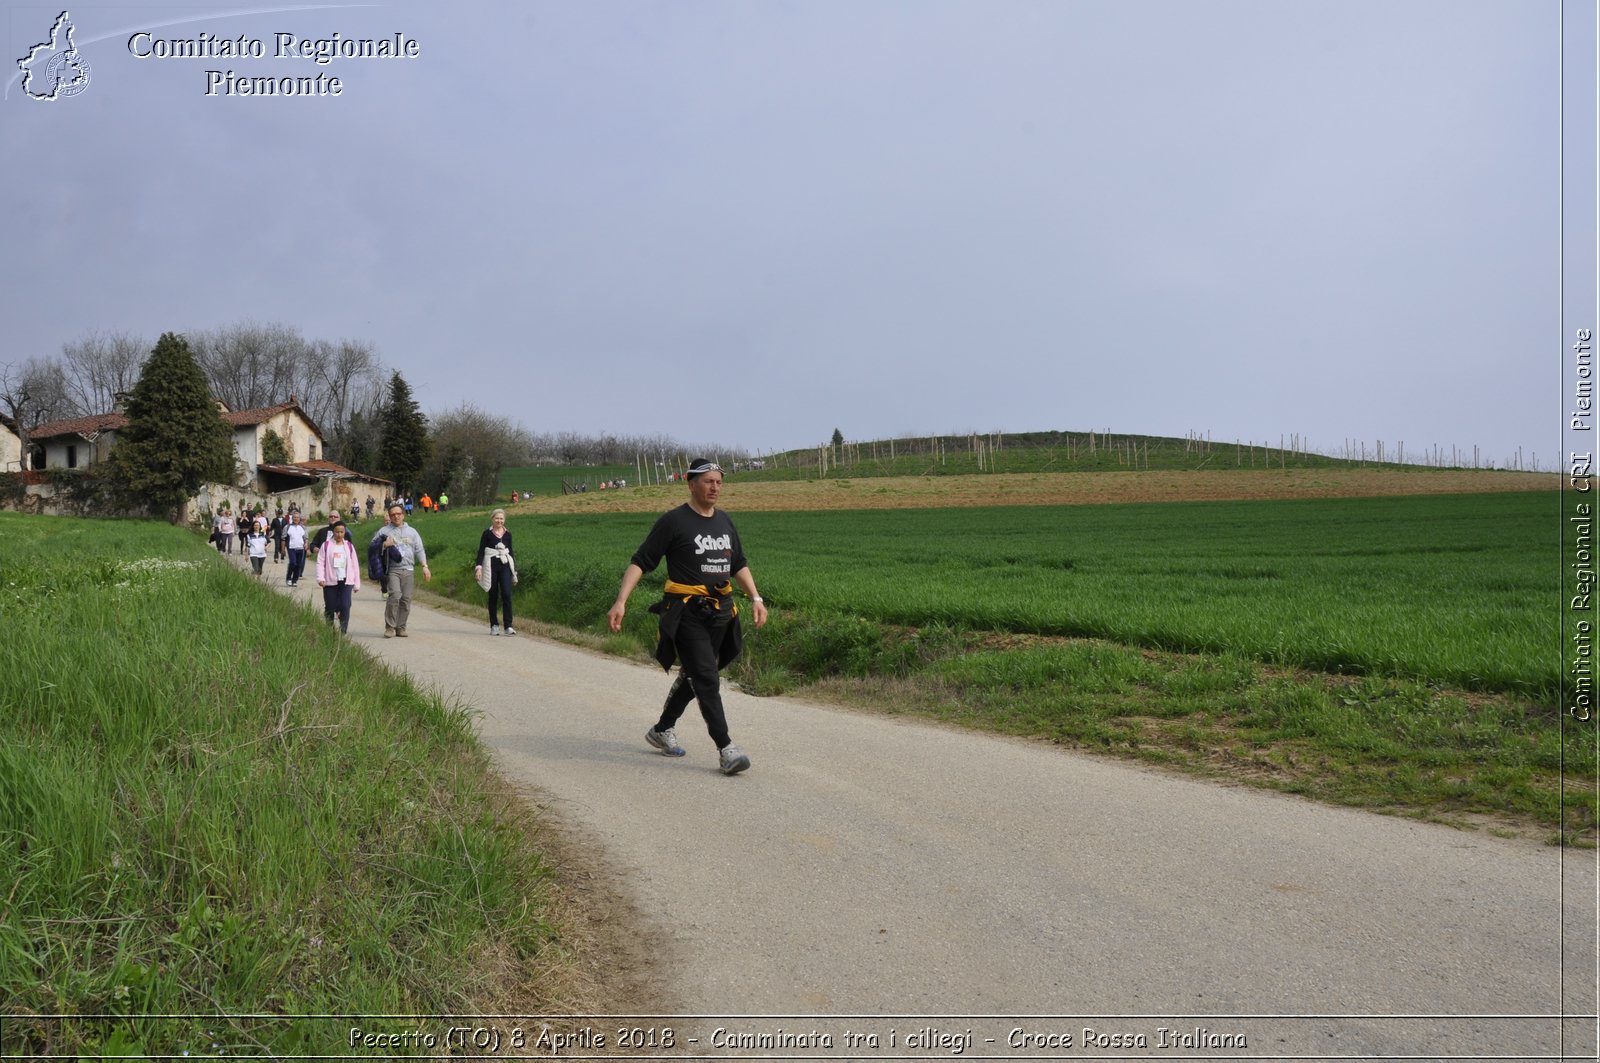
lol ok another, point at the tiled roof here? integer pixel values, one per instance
(241, 418)
(291, 470)
(327, 467)
(72, 426)
(246, 418)
(101, 421)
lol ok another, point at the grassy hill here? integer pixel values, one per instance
(1080, 452)
(1022, 452)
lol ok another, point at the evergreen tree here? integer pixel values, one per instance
(357, 446)
(403, 444)
(175, 440)
(838, 438)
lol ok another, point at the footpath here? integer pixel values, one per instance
(879, 888)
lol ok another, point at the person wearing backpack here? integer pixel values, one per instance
(339, 576)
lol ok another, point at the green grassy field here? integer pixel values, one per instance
(1447, 589)
(1398, 651)
(544, 480)
(211, 804)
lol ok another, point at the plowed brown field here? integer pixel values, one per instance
(1056, 489)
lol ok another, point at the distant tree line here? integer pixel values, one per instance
(575, 448)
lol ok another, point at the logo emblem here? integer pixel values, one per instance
(55, 69)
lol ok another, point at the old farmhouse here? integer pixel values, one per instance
(307, 477)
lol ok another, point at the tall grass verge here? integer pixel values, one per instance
(211, 805)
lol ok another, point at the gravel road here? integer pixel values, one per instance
(872, 878)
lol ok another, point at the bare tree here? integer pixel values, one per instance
(572, 448)
(470, 448)
(340, 380)
(251, 365)
(30, 395)
(100, 367)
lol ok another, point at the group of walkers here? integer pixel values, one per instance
(698, 617)
(337, 563)
(284, 533)
(392, 557)
(427, 503)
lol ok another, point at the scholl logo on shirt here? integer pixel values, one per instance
(702, 543)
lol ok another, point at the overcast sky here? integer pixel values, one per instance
(752, 221)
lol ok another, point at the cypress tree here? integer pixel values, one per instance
(175, 440)
(403, 445)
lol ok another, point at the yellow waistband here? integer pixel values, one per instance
(699, 590)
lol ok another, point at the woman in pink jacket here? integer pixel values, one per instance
(339, 575)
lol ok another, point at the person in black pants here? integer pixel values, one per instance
(699, 619)
(494, 550)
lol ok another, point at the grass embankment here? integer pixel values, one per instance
(210, 804)
(1398, 653)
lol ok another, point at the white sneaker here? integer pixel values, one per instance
(733, 760)
(511, 631)
(494, 629)
(666, 741)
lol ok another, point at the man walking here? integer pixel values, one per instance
(324, 532)
(402, 571)
(294, 539)
(699, 620)
(275, 531)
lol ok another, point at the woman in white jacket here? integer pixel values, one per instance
(339, 575)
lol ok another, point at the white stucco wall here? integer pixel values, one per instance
(10, 451)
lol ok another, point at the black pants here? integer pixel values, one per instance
(336, 599)
(699, 645)
(499, 591)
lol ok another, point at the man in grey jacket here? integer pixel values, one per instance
(402, 573)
